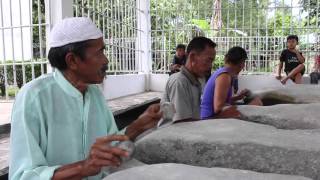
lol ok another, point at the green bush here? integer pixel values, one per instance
(12, 91)
(218, 62)
(19, 74)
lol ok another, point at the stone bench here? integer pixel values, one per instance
(284, 116)
(124, 104)
(293, 94)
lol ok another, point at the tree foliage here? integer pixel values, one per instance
(313, 10)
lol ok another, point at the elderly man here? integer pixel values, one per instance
(183, 89)
(61, 126)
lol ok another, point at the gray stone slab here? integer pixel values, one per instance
(123, 104)
(294, 94)
(235, 144)
(284, 116)
(127, 165)
(186, 172)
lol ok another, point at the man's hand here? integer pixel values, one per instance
(103, 154)
(240, 96)
(176, 67)
(294, 51)
(145, 121)
(229, 112)
(244, 93)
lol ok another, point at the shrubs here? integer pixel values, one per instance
(19, 74)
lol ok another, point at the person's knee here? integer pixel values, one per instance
(298, 75)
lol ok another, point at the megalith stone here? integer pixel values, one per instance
(186, 172)
(235, 144)
(284, 116)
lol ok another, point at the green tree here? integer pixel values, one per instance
(282, 24)
(178, 21)
(313, 10)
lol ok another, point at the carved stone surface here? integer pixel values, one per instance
(235, 144)
(186, 172)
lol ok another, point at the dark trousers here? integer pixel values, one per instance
(314, 77)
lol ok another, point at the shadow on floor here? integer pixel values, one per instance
(124, 119)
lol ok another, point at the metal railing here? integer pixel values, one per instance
(261, 27)
(22, 44)
(118, 21)
(23, 35)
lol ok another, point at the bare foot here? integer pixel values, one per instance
(284, 81)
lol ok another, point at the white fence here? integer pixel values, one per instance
(25, 26)
(118, 21)
(261, 27)
(141, 35)
(22, 43)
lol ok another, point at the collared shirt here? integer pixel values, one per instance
(184, 90)
(53, 124)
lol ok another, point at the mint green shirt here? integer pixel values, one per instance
(53, 124)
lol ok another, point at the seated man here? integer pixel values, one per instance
(61, 127)
(183, 89)
(217, 93)
(315, 75)
(179, 59)
(293, 60)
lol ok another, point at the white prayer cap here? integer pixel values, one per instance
(71, 30)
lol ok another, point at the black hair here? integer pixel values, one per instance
(199, 44)
(293, 37)
(57, 55)
(181, 46)
(236, 55)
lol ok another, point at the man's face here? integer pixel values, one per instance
(292, 43)
(240, 67)
(180, 52)
(202, 62)
(92, 69)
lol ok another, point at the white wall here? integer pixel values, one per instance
(259, 82)
(123, 85)
(252, 82)
(158, 82)
(17, 39)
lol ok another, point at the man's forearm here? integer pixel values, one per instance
(69, 172)
(300, 58)
(133, 131)
(229, 112)
(235, 98)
